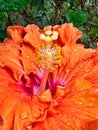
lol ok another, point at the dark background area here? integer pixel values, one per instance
(82, 13)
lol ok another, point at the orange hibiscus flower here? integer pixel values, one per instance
(47, 81)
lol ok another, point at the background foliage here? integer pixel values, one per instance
(82, 13)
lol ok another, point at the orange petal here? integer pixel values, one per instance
(80, 100)
(17, 109)
(76, 108)
(46, 96)
(59, 122)
(16, 33)
(68, 34)
(29, 59)
(92, 125)
(10, 58)
(77, 62)
(33, 36)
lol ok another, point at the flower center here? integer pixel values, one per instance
(49, 55)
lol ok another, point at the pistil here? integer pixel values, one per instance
(43, 82)
(49, 56)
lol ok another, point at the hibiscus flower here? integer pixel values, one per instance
(47, 80)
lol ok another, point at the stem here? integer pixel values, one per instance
(43, 82)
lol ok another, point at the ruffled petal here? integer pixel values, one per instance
(10, 58)
(79, 99)
(33, 36)
(16, 33)
(74, 103)
(19, 111)
(73, 107)
(92, 125)
(29, 59)
(68, 35)
(76, 62)
(76, 108)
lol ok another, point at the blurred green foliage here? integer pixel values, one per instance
(12, 5)
(82, 13)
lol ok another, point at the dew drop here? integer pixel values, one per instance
(96, 89)
(75, 61)
(81, 66)
(87, 70)
(28, 56)
(57, 122)
(74, 117)
(74, 50)
(24, 115)
(97, 117)
(78, 102)
(29, 127)
(49, 125)
(60, 114)
(68, 124)
(90, 104)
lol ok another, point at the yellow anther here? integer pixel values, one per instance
(49, 32)
(51, 69)
(55, 33)
(42, 36)
(49, 57)
(59, 56)
(54, 37)
(48, 39)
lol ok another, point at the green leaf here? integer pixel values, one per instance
(94, 22)
(37, 3)
(94, 30)
(12, 5)
(69, 1)
(76, 17)
(3, 16)
(2, 35)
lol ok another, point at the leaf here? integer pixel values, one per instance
(37, 3)
(69, 1)
(94, 30)
(2, 35)
(76, 17)
(12, 5)
(3, 16)
(94, 22)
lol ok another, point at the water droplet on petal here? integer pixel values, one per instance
(68, 124)
(90, 104)
(60, 114)
(97, 117)
(49, 125)
(74, 50)
(74, 117)
(29, 127)
(87, 70)
(78, 102)
(28, 56)
(57, 122)
(24, 115)
(81, 66)
(75, 61)
(96, 89)
(77, 124)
